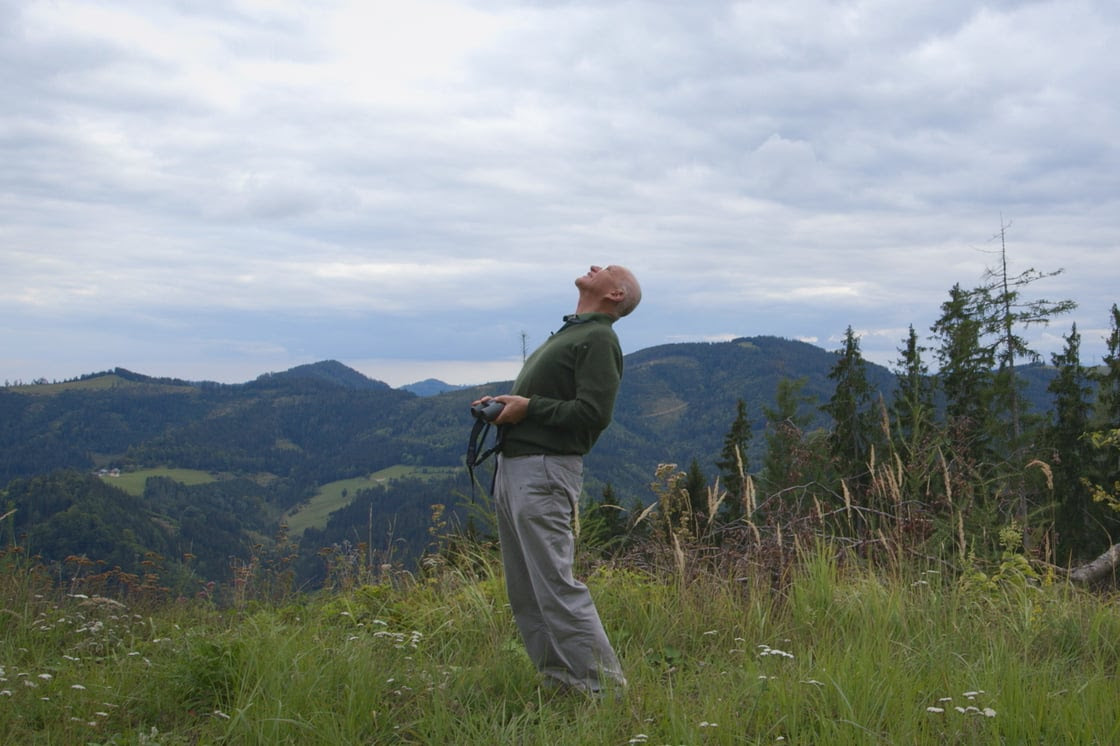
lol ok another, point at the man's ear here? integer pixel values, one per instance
(616, 295)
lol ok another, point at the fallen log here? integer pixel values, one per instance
(1101, 569)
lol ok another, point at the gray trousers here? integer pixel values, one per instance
(536, 497)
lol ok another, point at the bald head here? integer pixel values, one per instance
(632, 291)
(612, 290)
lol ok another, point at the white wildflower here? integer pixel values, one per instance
(638, 738)
(988, 712)
(935, 709)
(5, 692)
(767, 650)
(45, 676)
(79, 687)
(706, 724)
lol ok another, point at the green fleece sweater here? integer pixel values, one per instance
(571, 381)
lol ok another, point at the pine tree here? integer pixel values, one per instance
(603, 524)
(965, 375)
(785, 464)
(696, 485)
(732, 463)
(1107, 379)
(915, 437)
(913, 395)
(1105, 464)
(1003, 312)
(854, 422)
(1077, 515)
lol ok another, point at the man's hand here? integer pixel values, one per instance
(515, 410)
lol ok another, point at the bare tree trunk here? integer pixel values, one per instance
(1098, 570)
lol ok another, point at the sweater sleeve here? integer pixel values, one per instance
(597, 371)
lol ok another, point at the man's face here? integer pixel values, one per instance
(597, 279)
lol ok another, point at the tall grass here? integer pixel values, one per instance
(834, 653)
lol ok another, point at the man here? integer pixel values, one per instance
(560, 403)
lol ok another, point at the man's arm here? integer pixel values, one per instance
(597, 371)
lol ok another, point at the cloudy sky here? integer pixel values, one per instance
(214, 190)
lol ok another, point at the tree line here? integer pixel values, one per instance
(954, 455)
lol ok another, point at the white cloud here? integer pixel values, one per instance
(768, 168)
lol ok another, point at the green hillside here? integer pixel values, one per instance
(333, 496)
(342, 459)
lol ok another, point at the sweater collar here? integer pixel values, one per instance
(583, 318)
(572, 319)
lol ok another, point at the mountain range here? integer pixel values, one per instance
(265, 450)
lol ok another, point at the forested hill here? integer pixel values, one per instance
(682, 398)
(228, 463)
(322, 422)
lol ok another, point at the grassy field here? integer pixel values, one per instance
(329, 498)
(334, 495)
(133, 482)
(833, 655)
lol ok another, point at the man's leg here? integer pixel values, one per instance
(519, 586)
(542, 499)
